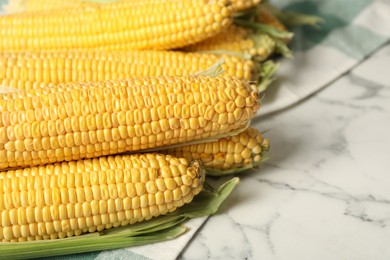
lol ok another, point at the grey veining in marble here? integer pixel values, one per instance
(325, 192)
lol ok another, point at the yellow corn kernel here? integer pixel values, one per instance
(54, 217)
(141, 113)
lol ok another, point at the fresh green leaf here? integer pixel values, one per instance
(292, 19)
(213, 71)
(264, 28)
(266, 75)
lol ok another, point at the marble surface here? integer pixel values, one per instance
(325, 192)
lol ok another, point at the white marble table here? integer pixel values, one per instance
(325, 192)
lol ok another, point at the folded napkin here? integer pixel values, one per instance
(352, 30)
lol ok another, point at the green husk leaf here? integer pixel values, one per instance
(266, 75)
(292, 19)
(209, 200)
(264, 28)
(155, 230)
(246, 56)
(83, 244)
(283, 49)
(212, 71)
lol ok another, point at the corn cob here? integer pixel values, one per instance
(83, 120)
(71, 198)
(31, 69)
(228, 155)
(142, 25)
(237, 39)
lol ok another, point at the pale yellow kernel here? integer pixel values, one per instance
(122, 218)
(154, 211)
(151, 187)
(144, 200)
(257, 158)
(111, 207)
(24, 231)
(229, 160)
(166, 171)
(178, 203)
(162, 208)
(140, 188)
(81, 223)
(177, 193)
(170, 183)
(168, 196)
(138, 214)
(244, 139)
(238, 148)
(257, 149)
(246, 153)
(146, 213)
(113, 191)
(135, 202)
(49, 228)
(105, 219)
(7, 233)
(237, 158)
(118, 204)
(131, 190)
(183, 168)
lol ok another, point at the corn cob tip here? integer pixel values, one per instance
(234, 154)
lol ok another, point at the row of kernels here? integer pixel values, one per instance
(76, 130)
(93, 223)
(51, 226)
(91, 115)
(125, 162)
(35, 193)
(146, 133)
(56, 196)
(119, 88)
(31, 211)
